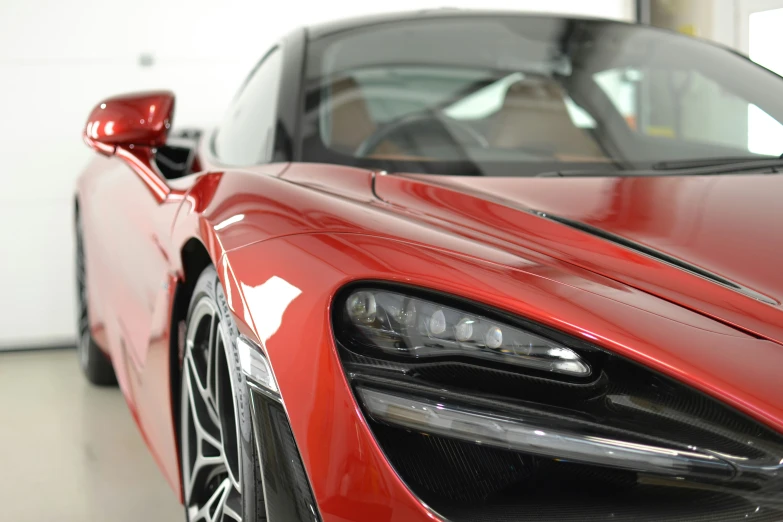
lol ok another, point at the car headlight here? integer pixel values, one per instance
(481, 412)
(399, 325)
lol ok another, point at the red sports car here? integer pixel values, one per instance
(450, 266)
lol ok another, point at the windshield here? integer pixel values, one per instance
(518, 96)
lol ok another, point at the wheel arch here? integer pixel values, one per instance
(194, 258)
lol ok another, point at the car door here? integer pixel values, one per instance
(129, 226)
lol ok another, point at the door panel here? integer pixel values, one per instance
(132, 271)
(126, 226)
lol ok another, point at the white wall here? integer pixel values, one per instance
(58, 58)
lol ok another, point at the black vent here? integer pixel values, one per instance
(471, 483)
(286, 488)
(451, 469)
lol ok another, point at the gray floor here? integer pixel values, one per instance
(70, 451)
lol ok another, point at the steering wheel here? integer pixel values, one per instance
(446, 127)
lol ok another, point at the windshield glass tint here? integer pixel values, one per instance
(519, 95)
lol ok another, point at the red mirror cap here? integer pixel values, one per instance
(141, 119)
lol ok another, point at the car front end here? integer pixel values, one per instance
(422, 384)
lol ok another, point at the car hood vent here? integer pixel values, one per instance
(661, 256)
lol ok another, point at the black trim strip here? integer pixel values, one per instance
(287, 490)
(660, 256)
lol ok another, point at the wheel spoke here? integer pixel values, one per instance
(232, 509)
(224, 398)
(205, 394)
(209, 431)
(208, 450)
(212, 510)
(200, 345)
(206, 428)
(214, 326)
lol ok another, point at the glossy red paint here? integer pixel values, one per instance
(705, 220)
(698, 219)
(319, 227)
(141, 119)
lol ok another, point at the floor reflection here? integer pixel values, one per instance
(70, 451)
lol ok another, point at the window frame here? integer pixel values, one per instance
(285, 142)
(216, 131)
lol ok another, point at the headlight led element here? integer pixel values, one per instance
(405, 326)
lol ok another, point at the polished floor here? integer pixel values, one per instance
(70, 451)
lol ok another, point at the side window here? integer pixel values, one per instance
(246, 135)
(689, 107)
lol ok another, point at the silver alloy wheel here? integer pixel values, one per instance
(210, 452)
(83, 346)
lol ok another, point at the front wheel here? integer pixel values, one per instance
(220, 471)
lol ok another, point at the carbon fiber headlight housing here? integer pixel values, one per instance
(488, 416)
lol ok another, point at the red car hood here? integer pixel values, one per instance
(711, 243)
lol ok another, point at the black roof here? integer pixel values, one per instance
(336, 26)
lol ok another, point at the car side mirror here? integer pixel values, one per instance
(130, 120)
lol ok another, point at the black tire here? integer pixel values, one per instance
(95, 364)
(230, 489)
